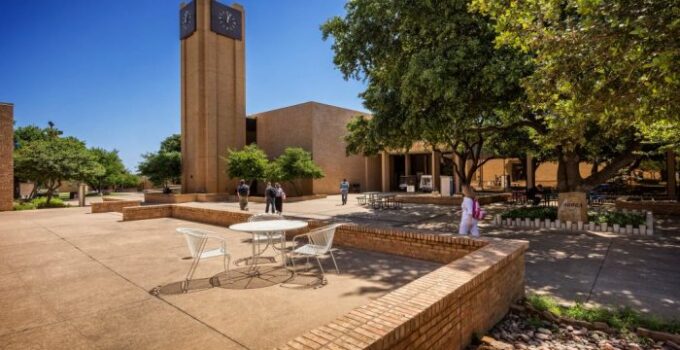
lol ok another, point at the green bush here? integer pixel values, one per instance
(622, 319)
(40, 203)
(616, 217)
(531, 213)
(609, 217)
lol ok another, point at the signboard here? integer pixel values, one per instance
(573, 207)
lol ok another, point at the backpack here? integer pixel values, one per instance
(243, 190)
(477, 212)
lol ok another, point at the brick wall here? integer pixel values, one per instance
(432, 247)
(147, 212)
(113, 205)
(656, 207)
(453, 200)
(441, 310)
(6, 160)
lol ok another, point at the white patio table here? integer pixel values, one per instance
(270, 228)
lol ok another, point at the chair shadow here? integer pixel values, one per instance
(243, 278)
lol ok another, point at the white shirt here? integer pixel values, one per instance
(467, 205)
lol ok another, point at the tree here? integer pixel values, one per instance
(606, 72)
(294, 164)
(250, 163)
(113, 169)
(164, 166)
(433, 74)
(51, 161)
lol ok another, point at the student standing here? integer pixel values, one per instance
(270, 198)
(280, 196)
(470, 214)
(243, 191)
(344, 190)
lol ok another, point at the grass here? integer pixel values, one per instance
(597, 217)
(622, 319)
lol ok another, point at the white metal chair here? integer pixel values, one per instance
(197, 240)
(319, 243)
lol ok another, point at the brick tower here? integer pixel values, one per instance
(213, 92)
(6, 160)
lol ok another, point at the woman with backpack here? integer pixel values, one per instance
(471, 213)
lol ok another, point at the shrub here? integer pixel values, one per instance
(531, 213)
(622, 319)
(609, 217)
(40, 203)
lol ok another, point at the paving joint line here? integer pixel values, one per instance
(599, 270)
(144, 290)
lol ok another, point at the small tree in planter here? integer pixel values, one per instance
(162, 168)
(250, 163)
(294, 164)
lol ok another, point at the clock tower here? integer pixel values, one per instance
(213, 93)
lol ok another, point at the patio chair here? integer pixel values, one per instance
(260, 238)
(196, 241)
(319, 243)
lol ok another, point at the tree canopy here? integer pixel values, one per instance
(165, 166)
(114, 174)
(249, 163)
(606, 82)
(48, 162)
(433, 74)
(295, 164)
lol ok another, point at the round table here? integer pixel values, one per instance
(270, 227)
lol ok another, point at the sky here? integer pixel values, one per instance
(107, 72)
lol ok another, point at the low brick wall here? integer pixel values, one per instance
(109, 205)
(432, 247)
(656, 207)
(452, 200)
(208, 216)
(441, 310)
(162, 198)
(176, 198)
(258, 199)
(147, 212)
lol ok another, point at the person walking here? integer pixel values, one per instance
(270, 198)
(243, 191)
(471, 213)
(280, 196)
(344, 190)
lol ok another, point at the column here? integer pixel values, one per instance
(531, 182)
(407, 164)
(436, 171)
(671, 184)
(385, 171)
(457, 183)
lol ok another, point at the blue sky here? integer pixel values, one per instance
(107, 72)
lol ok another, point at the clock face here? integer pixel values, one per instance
(187, 20)
(225, 20)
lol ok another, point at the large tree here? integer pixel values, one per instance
(606, 74)
(50, 161)
(249, 163)
(433, 74)
(165, 166)
(294, 164)
(113, 169)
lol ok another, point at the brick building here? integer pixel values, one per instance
(6, 161)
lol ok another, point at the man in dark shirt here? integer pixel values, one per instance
(243, 191)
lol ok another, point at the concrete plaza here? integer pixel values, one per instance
(603, 269)
(71, 279)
